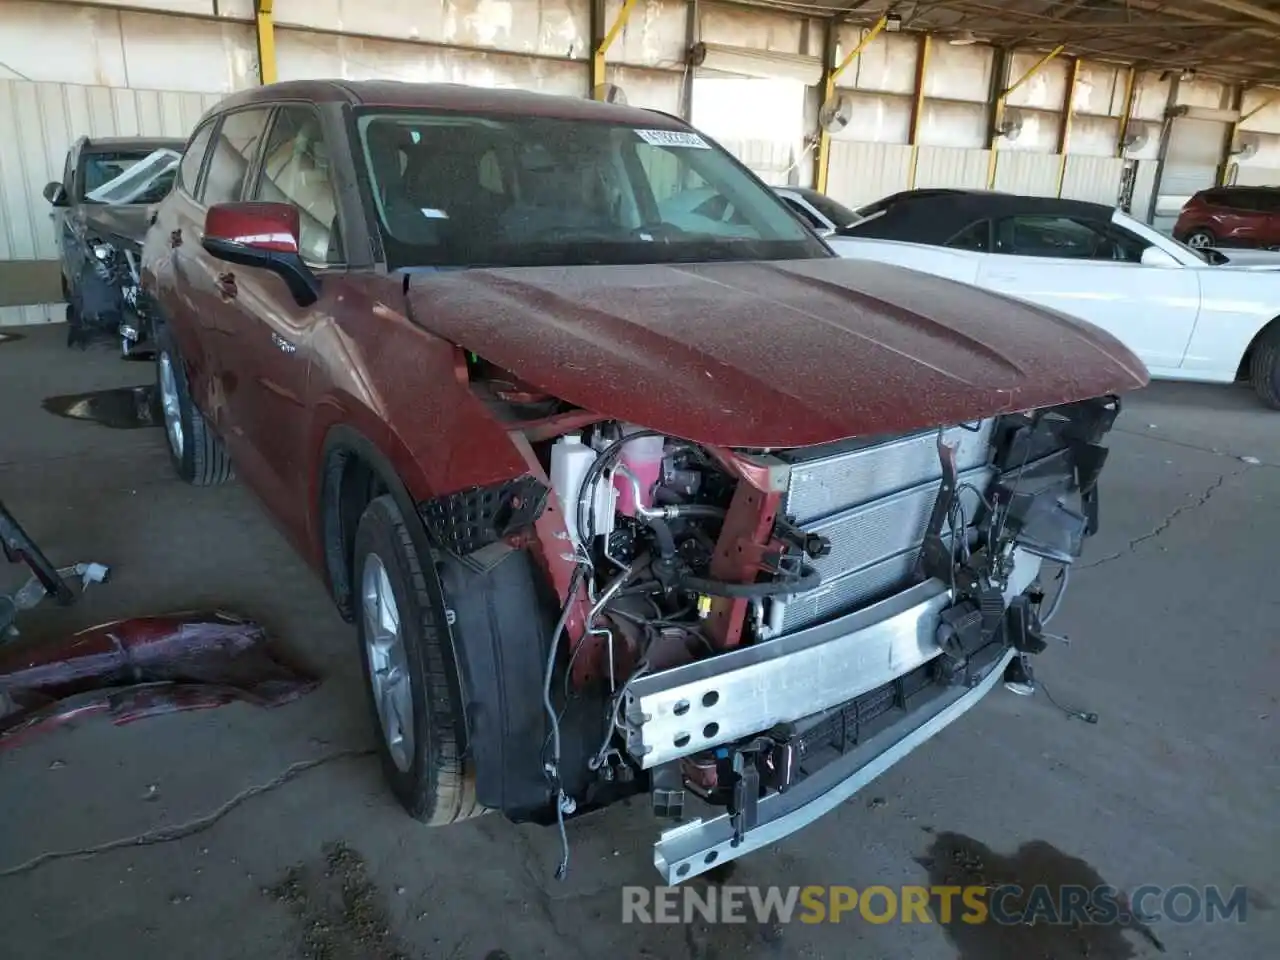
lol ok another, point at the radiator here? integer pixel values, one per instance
(874, 503)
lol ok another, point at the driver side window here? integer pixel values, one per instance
(1065, 238)
(296, 169)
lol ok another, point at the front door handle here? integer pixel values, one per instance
(226, 284)
(175, 238)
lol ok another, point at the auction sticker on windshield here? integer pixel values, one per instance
(673, 138)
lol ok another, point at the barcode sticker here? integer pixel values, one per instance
(673, 138)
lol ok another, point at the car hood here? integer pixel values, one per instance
(122, 221)
(773, 354)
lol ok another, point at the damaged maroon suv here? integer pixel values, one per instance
(622, 497)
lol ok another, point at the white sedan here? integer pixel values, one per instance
(1188, 314)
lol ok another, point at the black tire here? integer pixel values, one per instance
(202, 460)
(437, 787)
(1204, 235)
(1264, 367)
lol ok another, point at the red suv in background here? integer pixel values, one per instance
(1231, 217)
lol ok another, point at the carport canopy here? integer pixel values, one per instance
(1233, 40)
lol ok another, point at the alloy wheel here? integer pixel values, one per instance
(1199, 241)
(388, 662)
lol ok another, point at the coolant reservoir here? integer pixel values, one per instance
(570, 460)
(643, 457)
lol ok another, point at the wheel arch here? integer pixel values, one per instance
(1242, 371)
(353, 471)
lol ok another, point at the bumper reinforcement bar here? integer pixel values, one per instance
(721, 699)
(695, 847)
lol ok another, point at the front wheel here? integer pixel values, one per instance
(1264, 367)
(197, 455)
(1201, 239)
(410, 673)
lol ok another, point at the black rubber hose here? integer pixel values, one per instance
(586, 530)
(810, 579)
(685, 510)
(662, 534)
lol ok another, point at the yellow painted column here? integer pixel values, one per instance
(1004, 98)
(265, 29)
(1064, 128)
(917, 107)
(602, 48)
(822, 159)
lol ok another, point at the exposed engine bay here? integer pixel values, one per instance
(738, 628)
(111, 303)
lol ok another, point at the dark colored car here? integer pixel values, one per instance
(103, 204)
(1231, 217)
(617, 506)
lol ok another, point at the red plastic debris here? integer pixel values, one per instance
(143, 667)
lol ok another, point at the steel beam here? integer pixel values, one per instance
(690, 38)
(602, 48)
(1126, 113)
(1064, 127)
(265, 33)
(917, 106)
(832, 71)
(1248, 10)
(1237, 101)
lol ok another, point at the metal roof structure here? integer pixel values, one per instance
(1234, 40)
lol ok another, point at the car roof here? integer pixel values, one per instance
(1241, 188)
(934, 216)
(454, 97)
(108, 144)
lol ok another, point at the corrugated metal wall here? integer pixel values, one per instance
(1096, 179)
(50, 116)
(862, 172)
(1250, 176)
(952, 167)
(1195, 153)
(773, 161)
(1030, 173)
(1144, 189)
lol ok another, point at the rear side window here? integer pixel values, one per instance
(193, 158)
(1257, 201)
(233, 152)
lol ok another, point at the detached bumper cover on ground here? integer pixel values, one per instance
(143, 667)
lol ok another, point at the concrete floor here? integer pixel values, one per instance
(212, 834)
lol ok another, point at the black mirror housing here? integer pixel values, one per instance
(289, 267)
(55, 194)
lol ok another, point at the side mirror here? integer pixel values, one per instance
(263, 235)
(54, 193)
(1155, 257)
